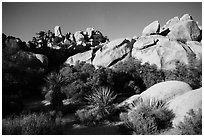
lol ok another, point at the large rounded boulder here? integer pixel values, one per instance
(161, 51)
(166, 90)
(112, 52)
(85, 56)
(162, 91)
(183, 103)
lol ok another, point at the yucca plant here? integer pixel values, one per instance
(54, 82)
(99, 109)
(102, 99)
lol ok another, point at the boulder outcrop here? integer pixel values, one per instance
(112, 52)
(185, 31)
(177, 40)
(161, 51)
(170, 23)
(179, 96)
(184, 102)
(161, 91)
(166, 90)
(85, 56)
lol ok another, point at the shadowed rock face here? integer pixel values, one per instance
(14, 56)
(185, 31)
(22, 71)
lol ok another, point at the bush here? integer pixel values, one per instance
(78, 80)
(144, 75)
(151, 74)
(99, 109)
(192, 124)
(190, 73)
(87, 116)
(31, 124)
(148, 117)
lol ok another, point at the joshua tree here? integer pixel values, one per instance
(54, 83)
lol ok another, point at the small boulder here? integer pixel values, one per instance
(58, 32)
(42, 58)
(79, 38)
(186, 17)
(89, 32)
(168, 26)
(152, 28)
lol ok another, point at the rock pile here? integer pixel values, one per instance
(163, 46)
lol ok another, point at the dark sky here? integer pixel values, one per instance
(116, 20)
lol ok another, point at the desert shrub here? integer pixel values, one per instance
(192, 124)
(143, 75)
(99, 109)
(83, 78)
(79, 80)
(148, 117)
(190, 73)
(30, 124)
(87, 116)
(151, 74)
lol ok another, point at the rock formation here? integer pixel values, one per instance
(163, 91)
(58, 32)
(85, 56)
(175, 41)
(166, 90)
(179, 97)
(183, 103)
(152, 28)
(112, 52)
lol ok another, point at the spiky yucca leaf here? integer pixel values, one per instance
(102, 97)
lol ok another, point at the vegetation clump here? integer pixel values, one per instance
(148, 117)
(100, 107)
(30, 124)
(192, 124)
